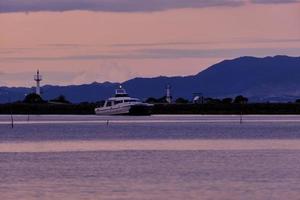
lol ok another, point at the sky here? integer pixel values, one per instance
(82, 41)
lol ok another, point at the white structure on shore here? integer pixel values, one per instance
(38, 79)
(168, 94)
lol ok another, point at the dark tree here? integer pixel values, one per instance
(60, 99)
(33, 98)
(212, 101)
(151, 100)
(162, 100)
(154, 100)
(181, 100)
(241, 100)
(227, 100)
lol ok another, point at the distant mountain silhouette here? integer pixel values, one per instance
(261, 79)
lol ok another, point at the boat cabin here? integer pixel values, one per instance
(121, 96)
(121, 92)
(112, 102)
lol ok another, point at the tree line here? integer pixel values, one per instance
(33, 98)
(34, 104)
(237, 100)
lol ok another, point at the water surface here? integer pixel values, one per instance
(156, 157)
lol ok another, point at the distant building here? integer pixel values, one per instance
(198, 98)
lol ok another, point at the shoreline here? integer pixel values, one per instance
(158, 109)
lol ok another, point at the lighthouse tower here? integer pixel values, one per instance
(168, 94)
(38, 79)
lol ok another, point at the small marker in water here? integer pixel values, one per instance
(107, 122)
(241, 118)
(12, 121)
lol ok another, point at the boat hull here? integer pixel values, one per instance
(137, 109)
(140, 110)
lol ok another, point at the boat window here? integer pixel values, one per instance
(120, 91)
(108, 103)
(131, 100)
(117, 102)
(121, 95)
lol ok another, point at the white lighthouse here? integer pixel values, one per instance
(168, 94)
(38, 79)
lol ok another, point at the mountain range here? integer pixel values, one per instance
(260, 79)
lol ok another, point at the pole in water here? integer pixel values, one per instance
(107, 122)
(241, 118)
(12, 121)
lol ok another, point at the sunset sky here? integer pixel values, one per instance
(81, 41)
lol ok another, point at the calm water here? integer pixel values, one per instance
(156, 157)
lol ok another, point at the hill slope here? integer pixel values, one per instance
(260, 79)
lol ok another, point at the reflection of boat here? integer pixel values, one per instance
(122, 104)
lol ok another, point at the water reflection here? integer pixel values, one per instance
(161, 175)
(157, 157)
(171, 145)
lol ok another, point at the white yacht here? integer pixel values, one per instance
(122, 104)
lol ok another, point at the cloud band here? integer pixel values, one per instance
(110, 5)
